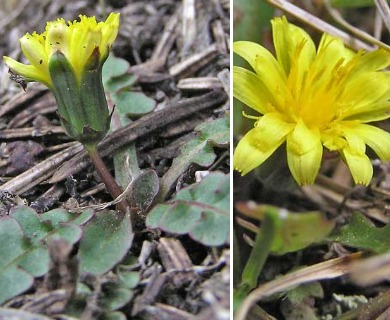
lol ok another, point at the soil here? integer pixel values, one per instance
(165, 47)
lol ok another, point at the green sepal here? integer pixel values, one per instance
(81, 104)
(94, 99)
(66, 91)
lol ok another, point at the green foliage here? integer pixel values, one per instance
(106, 240)
(133, 104)
(117, 315)
(198, 150)
(201, 210)
(118, 82)
(116, 291)
(352, 3)
(143, 190)
(114, 68)
(299, 293)
(129, 104)
(294, 231)
(13, 279)
(23, 251)
(361, 233)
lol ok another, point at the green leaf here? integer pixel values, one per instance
(114, 67)
(125, 81)
(56, 216)
(361, 233)
(107, 238)
(31, 223)
(294, 231)
(128, 104)
(304, 290)
(198, 150)
(113, 316)
(116, 292)
(133, 104)
(23, 252)
(201, 210)
(115, 297)
(35, 260)
(128, 279)
(118, 84)
(144, 188)
(68, 232)
(13, 280)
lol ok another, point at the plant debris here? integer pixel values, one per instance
(170, 73)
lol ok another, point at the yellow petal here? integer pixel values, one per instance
(331, 55)
(304, 153)
(359, 165)
(110, 29)
(265, 66)
(331, 50)
(377, 139)
(29, 72)
(373, 112)
(34, 51)
(355, 156)
(295, 52)
(374, 61)
(292, 45)
(249, 89)
(259, 143)
(78, 49)
(56, 37)
(364, 90)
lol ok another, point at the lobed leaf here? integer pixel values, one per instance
(114, 67)
(118, 82)
(198, 150)
(361, 233)
(201, 210)
(133, 104)
(24, 236)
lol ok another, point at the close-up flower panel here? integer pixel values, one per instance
(312, 98)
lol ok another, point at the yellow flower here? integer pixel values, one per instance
(312, 98)
(68, 58)
(77, 40)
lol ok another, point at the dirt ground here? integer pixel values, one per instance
(165, 45)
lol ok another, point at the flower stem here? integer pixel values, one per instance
(106, 176)
(257, 258)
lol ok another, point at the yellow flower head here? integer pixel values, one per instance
(312, 98)
(76, 40)
(68, 58)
